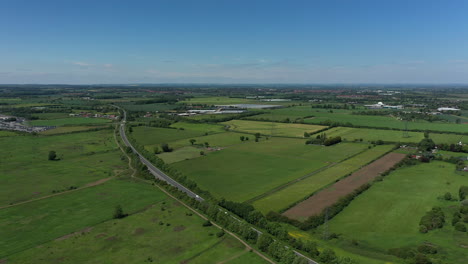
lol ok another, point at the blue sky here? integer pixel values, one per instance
(159, 41)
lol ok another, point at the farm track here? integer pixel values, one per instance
(329, 196)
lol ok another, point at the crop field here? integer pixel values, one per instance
(272, 128)
(5, 133)
(69, 121)
(28, 225)
(214, 140)
(211, 117)
(346, 116)
(48, 116)
(155, 135)
(388, 214)
(247, 170)
(184, 153)
(300, 190)
(315, 204)
(83, 158)
(167, 226)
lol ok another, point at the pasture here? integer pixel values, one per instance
(305, 113)
(31, 224)
(166, 225)
(206, 128)
(216, 100)
(272, 128)
(83, 158)
(148, 107)
(302, 189)
(247, 170)
(69, 121)
(388, 214)
(154, 135)
(68, 129)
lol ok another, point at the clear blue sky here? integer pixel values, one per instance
(236, 41)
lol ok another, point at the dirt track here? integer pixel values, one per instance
(327, 197)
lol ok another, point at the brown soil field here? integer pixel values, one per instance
(327, 197)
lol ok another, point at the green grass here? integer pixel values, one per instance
(27, 173)
(272, 128)
(28, 225)
(214, 140)
(367, 134)
(67, 129)
(387, 215)
(181, 154)
(5, 133)
(247, 170)
(205, 128)
(346, 116)
(155, 135)
(48, 116)
(139, 237)
(298, 191)
(69, 121)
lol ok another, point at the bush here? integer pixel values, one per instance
(433, 219)
(118, 214)
(207, 223)
(460, 227)
(427, 249)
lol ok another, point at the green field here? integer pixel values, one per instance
(30, 224)
(205, 128)
(68, 129)
(346, 116)
(6, 133)
(48, 116)
(300, 190)
(68, 121)
(272, 128)
(368, 134)
(135, 239)
(247, 170)
(387, 215)
(148, 107)
(155, 135)
(217, 100)
(28, 174)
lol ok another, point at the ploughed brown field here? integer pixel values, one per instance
(327, 197)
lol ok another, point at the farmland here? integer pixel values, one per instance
(69, 121)
(82, 158)
(302, 189)
(155, 135)
(244, 171)
(387, 215)
(272, 128)
(180, 235)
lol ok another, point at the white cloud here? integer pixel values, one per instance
(80, 63)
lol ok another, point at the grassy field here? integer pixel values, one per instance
(368, 134)
(346, 116)
(272, 128)
(166, 233)
(387, 215)
(6, 133)
(247, 170)
(67, 129)
(205, 128)
(27, 173)
(48, 116)
(30, 224)
(300, 190)
(155, 135)
(69, 121)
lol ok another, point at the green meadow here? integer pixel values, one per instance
(247, 170)
(272, 128)
(387, 215)
(69, 121)
(82, 158)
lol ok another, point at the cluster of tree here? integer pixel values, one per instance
(162, 99)
(322, 139)
(374, 112)
(463, 192)
(222, 118)
(414, 255)
(432, 220)
(426, 144)
(52, 155)
(242, 138)
(452, 147)
(460, 218)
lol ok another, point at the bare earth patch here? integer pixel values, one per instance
(329, 196)
(111, 238)
(2, 261)
(101, 181)
(101, 235)
(179, 228)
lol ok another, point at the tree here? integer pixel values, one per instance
(52, 155)
(202, 153)
(207, 144)
(264, 242)
(192, 141)
(327, 256)
(306, 135)
(119, 212)
(156, 150)
(242, 138)
(165, 147)
(426, 144)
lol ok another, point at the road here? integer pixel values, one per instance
(162, 176)
(152, 169)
